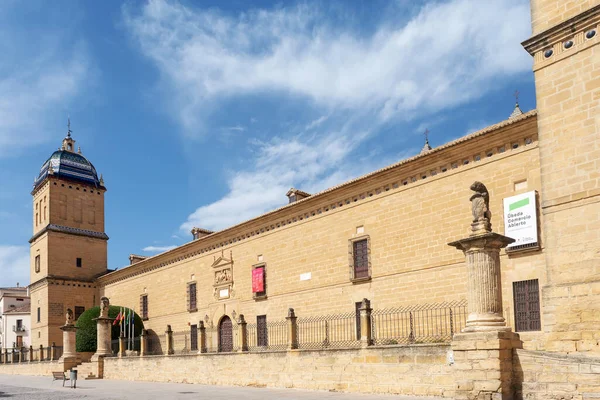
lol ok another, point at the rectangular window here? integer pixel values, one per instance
(259, 283)
(360, 255)
(78, 262)
(194, 337)
(37, 263)
(262, 333)
(357, 307)
(39, 314)
(19, 324)
(526, 296)
(192, 306)
(144, 306)
(78, 311)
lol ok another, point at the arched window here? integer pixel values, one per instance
(225, 335)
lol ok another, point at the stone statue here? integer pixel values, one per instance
(69, 317)
(104, 303)
(480, 203)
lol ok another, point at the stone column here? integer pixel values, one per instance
(41, 353)
(103, 326)
(69, 337)
(22, 354)
(366, 337)
(122, 346)
(5, 356)
(243, 326)
(483, 351)
(169, 336)
(292, 329)
(201, 337)
(52, 351)
(143, 342)
(30, 353)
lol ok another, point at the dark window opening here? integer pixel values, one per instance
(37, 263)
(78, 311)
(526, 296)
(194, 337)
(78, 262)
(361, 259)
(144, 306)
(192, 297)
(39, 314)
(262, 333)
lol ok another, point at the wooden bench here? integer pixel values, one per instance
(57, 376)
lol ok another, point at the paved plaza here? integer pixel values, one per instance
(21, 387)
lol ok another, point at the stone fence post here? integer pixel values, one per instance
(22, 354)
(201, 337)
(292, 329)
(143, 342)
(30, 353)
(5, 355)
(243, 333)
(122, 346)
(366, 335)
(41, 357)
(169, 338)
(53, 351)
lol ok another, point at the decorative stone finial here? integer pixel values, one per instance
(69, 320)
(104, 305)
(517, 111)
(78, 149)
(50, 169)
(480, 207)
(101, 180)
(426, 146)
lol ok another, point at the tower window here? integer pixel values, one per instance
(37, 263)
(359, 258)
(78, 262)
(39, 314)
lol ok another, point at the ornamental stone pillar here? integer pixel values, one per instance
(169, 337)
(122, 346)
(292, 329)
(30, 353)
(103, 325)
(201, 338)
(483, 351)
(41, 358)
(69, 338)
(366, 336)
(144, 343)
(243, 328)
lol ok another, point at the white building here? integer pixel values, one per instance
(15, 317)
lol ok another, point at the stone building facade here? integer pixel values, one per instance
(382, 236)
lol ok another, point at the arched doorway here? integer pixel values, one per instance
(225, 334)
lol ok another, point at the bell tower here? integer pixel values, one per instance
(68, 249)
(566, 62)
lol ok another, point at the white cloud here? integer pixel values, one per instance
(237, 128)
(447, 54)
(14, 265)
(39, 76)
(157, 249)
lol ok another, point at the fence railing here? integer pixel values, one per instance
(268, 336)
(29, 354)
(428, 323)
(328, 331)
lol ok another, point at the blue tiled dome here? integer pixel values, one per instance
(69, 165)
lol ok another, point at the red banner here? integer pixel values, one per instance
(258, 280)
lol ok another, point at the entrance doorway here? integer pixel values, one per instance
(225, 335)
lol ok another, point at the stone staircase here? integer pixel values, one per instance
(86, 370)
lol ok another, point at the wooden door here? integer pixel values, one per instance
(225, 335)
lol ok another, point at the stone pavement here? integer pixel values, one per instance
(21, 387)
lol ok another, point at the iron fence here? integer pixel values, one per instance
(426, 323)
(182, 343)
(268, 336)
(330, 331)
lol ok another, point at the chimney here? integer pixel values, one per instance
(197, 233)
(296, 194)
(134, 258)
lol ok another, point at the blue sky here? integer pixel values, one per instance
(204, 113)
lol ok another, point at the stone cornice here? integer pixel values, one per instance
(562, 31)
(70, 231)
(53, 279)
(355, 190)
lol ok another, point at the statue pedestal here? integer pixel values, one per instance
(69, 356)
(484, 289)
(103, 349)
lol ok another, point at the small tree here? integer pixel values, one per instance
(87, 332)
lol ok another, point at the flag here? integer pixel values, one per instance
(117, 319)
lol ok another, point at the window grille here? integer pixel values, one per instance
(144, 306)
(361, 259)
(192, 305)
(527, 305)
(194, 337)
(357, 306)
(262, 336)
